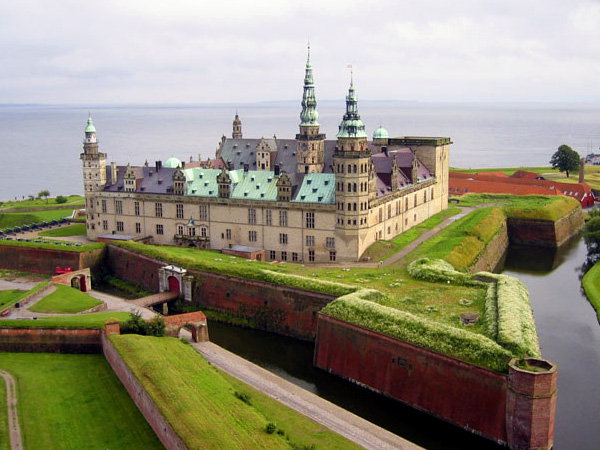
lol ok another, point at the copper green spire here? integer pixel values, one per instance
(351, 125)
(309, 114)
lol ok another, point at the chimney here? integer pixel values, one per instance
(157, 165)
(277, 170)
(183, 164)
(385, 150)
(113, 172)
(582, 170)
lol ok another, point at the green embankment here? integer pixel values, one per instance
(74, 402)
(4, 439)
(65, 300)
(12, 296)
(71, 230)
(591, 285)
(95, 320)
(55, 245)
(73, 201)
(201, 403)
(9, 220)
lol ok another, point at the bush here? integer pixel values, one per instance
(137, 325)
(271, 428)
(61, 199)
(243, 397)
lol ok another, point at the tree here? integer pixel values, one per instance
(591, 235)
(61, 199)
(45, 193)
(565, 159)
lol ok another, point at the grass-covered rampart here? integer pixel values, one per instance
(96, 320)
(65, 300)
(591, 286)
(54, 245)
(10, 297)
(209, 410)
(533, 207)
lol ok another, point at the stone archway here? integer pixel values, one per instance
(174, 285)
(175, 279)
(195, 322)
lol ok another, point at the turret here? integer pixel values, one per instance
(237, 127)
(310, 154)
(93, 162)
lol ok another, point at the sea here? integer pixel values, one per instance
(40, 144)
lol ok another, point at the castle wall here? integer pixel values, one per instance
(281, 309)
(56, 340)
(45, 261)
(545, 233)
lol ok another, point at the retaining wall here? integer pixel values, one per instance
(55, 340)
(284, 310)
(151, 413)
(493, 253)
(45, 261)
(516, 409)
(545, 233)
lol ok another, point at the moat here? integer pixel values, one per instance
(569, 336)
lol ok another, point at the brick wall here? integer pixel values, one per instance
(45, 261)
(42, 340)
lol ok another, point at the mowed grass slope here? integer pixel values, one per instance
(75, 402)
(95, 320)
(591, 286)
(70, 230)
(65, 300)
(201, 405)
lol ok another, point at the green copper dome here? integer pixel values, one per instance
(172, 163)
(90, 126)
(380, 133)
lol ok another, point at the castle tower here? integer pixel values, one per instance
(237, 127)
(310, 154)
(355, 178)
(94, 170)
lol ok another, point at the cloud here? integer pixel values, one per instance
(237, 51)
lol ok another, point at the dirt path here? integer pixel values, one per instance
(16, 443)
(339, 420)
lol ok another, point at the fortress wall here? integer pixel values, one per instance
(545, 233)
(45, 340)
(283, 310)
(493, 253)
(148, 408)
(45, 261)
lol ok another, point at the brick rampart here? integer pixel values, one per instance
(280, 309)
(516, 409)
(545, 233)
(148, 408)
(45, 340)
(45, 261)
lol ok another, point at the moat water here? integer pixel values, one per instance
(569, 335)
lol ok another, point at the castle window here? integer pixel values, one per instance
(431, 193)
(272, 255)
(310, 241)
(355, 168)
(310, 220)
(136, 208)
(179, 210)
(330, 242)
(380, 214)
(424, 196)
(311, 255)
(252, 236)
(406, 204)
(269, 219)
(105, 224)
(354, 206)
(415, 200)
(227, 233)
(283, 219)
(138, 227)
(180, 229)
(349, 187)
(103, 206)
(283, 238)
(118, 206)
(389, 210)
(203, 212)
(294, 257)
(354, 187)
(158, 209)
(252, 216)
(332, 256)
(159, 229)
(284, 256)
(120, 226)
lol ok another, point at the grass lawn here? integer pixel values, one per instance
(12, 296)
(4, 439)
(75, 402)
(10, 220)
(95, 320)
(72, 201)
(591, 286)
(65, 300)
(55, 245)
(201, 405)
(71, 230)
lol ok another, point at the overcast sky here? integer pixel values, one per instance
(160, 51)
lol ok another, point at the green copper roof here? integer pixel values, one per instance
(351, 125)
(253, 185)
(380, 133)
(202, 182)
(90, 126)
(309, 114)
(317, 188)
(172, 163)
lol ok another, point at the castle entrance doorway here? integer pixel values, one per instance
(173, 284)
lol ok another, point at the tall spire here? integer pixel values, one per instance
(352, 125)
(309, 115)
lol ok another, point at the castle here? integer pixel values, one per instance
(306, 199)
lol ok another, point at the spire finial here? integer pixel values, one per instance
(349, 66)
